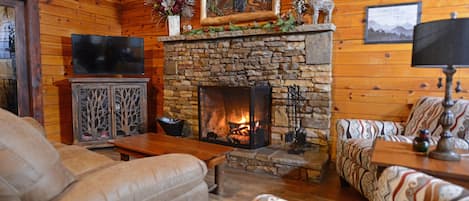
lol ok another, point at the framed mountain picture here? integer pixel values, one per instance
(392, 23)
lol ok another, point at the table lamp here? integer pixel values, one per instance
(443, 44)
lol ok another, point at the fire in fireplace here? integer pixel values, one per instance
(235, 116)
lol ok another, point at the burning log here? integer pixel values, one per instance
(234, 125)
(239, 128)
(240, 131)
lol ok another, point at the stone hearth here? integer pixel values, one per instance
(248, 58)
(275, 160)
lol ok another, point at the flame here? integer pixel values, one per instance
(243, 120)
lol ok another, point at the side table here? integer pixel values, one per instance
(387, 154)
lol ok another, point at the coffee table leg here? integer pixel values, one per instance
(124, 157)
(219, 174)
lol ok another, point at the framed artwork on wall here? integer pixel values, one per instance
(218, 12)
(391, 23)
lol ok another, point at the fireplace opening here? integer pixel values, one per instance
(235, 116)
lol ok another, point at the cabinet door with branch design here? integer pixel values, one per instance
(129, 109)
(93, 114)
(107, 108)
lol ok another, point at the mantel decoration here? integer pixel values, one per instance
(172, 10)
(300, 8)
(326, 6)
(284, 23)
(214, 12)
(391, 23)
(443, 44)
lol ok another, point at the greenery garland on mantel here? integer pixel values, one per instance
(282, 24)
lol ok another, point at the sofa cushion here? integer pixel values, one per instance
(159, 178)
(400, 183)
(359, 150)
(31, 169)
(80, 160)
(426, 113)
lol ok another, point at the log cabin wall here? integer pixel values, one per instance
(58, 20)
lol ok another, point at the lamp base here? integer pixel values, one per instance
(445, 156)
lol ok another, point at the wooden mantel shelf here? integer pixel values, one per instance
(249, 32)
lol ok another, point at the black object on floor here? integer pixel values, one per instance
(171, 126)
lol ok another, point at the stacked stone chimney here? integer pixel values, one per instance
(245, 58)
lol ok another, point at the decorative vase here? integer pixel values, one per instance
(174, 25)
(421, 143)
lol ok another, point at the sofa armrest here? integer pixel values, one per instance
(366, 129)
(34, 123)
(400, 183)
(153, 178)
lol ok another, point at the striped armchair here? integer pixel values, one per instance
(356, 137)
(403, 184)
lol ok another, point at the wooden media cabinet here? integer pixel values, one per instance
(108, 108)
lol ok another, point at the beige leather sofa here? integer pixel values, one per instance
(33, 169)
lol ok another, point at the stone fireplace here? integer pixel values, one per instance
(235, 116)
(246, 59)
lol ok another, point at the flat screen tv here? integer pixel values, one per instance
(106, 55)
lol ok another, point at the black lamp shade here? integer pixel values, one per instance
(441, 43)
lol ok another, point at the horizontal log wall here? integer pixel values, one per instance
(375, 81)
(58, 20)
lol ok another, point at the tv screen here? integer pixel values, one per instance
(93, 54)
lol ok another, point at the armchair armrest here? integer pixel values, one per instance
(154, 178)
(400, 183)
(366, 129)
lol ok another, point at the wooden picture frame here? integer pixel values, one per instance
(257, 15)
(392, 23)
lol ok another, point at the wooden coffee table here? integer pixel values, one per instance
(153, 144)
(387, 153)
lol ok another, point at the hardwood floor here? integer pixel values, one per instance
(244, 186)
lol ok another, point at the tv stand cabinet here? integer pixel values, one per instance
(107, 108)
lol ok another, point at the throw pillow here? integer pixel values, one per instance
(427, 111)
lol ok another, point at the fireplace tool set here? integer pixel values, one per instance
(296, 133)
